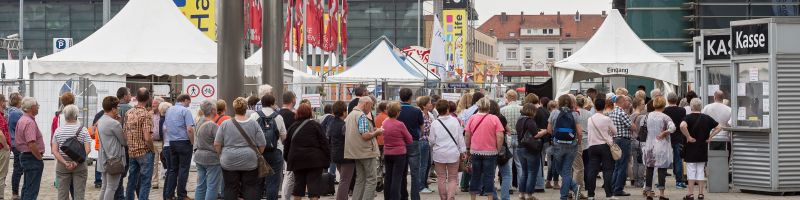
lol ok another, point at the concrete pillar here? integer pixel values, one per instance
(272, 47)
(230, 51)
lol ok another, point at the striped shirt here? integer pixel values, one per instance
(67, 131)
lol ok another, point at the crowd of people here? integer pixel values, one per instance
(468, 144)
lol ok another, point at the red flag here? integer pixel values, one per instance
(255, 21)
(331, 34)
(298, 25)
(287, 36)
(312, 24)
(344, 27)
(321, 20)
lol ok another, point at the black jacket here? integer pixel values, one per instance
(336, 134)
(307, 149)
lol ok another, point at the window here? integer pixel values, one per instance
(511, 54)
(567, 53)
(550, 31)
(551, 52)
(511, 34)
(528, 53)
(544, 31)
(529, 31)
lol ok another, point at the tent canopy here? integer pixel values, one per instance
(614, 50)
(255, 61)
(147, 37)
(381, 64)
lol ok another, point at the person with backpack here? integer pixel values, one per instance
(529, 150)
(623, 138)
(566, 133)
(272, 125)
(449, 150)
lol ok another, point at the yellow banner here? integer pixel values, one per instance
(202, 14)
(455, 25)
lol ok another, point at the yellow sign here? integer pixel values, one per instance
(202, 14)
(455, 25)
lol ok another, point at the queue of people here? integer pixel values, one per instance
(471, 143)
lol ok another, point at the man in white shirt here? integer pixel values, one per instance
(722, 114)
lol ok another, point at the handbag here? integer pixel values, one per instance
(642, 134)
(462, 164)
(74, 148)
(616, 152)
(529, 142)
(113, 166)
(264, 169)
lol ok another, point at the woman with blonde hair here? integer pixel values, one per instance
(659, 127)
(463, 103)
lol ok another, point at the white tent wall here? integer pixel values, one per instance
(46, 90)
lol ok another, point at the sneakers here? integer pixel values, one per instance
(425, 191)
(548, 185)
(680, 185)
(612, 198)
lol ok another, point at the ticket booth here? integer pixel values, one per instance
(765, 102)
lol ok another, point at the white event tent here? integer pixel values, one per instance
(615, 50)
(293, 71)
(383, 64)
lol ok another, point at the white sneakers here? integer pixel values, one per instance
(426, 191)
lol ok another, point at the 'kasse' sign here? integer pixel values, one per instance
(716, 47)
(750, 39)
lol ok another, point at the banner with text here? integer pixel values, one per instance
(455, 24)
(202, 14)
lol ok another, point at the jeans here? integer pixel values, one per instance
(600, 155)
(16, 174)
(241, 182)
(414, 158)
(677, 162)
(540, 173)
(482, 177)
(529, 165)
(505, 183)
(367, 179)
(33, 176)
(272, 183)
(395, 165)
(208, 179)
(166, 153)
(119, 194)
(621, 166)
(552, 172)
(563, 156)
(424, 163)
(141, 172)
(180, 160)
(98, 176)
(332, 170)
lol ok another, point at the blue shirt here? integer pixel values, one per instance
(412, 118)
(14, 114)
(466, 114)
(178, 118)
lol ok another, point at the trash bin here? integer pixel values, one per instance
(718, 169)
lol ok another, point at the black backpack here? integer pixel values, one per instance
(270, 129)
(564, 129)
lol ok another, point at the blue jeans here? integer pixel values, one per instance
(482, 177)
(528, 166)
(412, 151)
(33, 176)
(505, 185)
(16, 174)
(395, 167)
(621, 166)
(273, 182)
(563, 156)
(208, 179)
(178, 175)
(120, 193)
(141, 172)
(424, 163)
(98, 176)
(552, 172)
(677, 162)
(540, 172)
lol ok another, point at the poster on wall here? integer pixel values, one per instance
(199, 90)
(202, 14)
(455, 24)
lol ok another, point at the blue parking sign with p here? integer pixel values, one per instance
(61, 44)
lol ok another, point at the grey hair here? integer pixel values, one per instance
(696, 104)
(655, 92)
(70, 112)
(264, 90)
(28, 103)
(364, 99)
(163, 106)
(208, 108)
(484, 104)
(158, 99)
(672, 97)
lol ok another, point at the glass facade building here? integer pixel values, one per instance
(368, 20)
(660, 24)
(715, 14)
(45, 20)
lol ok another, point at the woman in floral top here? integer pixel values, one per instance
(425, 105)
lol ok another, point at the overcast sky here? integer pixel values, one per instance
(488, 8)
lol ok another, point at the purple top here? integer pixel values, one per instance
(28, 131)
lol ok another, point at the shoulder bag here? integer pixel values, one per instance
(462, 164)
(529, 142)
(616, 152)
(74, 147)
(264, 169)
(115, 165)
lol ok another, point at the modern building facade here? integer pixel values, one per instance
(527, 45)
(45, 20)
(398, 20)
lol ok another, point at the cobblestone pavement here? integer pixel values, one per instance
(49, 192)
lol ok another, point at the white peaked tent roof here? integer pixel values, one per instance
(147, 37)
(255, 61)
(380, 64)
(614, 50)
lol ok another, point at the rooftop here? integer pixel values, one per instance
(572, 27)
